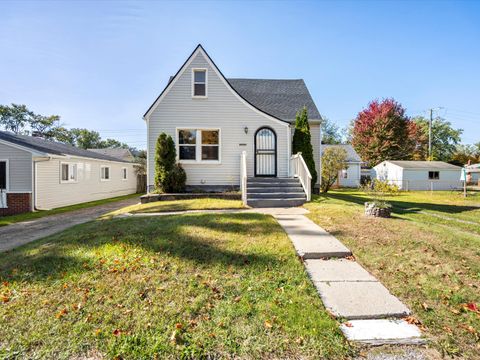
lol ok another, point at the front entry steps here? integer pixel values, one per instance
(274, 192)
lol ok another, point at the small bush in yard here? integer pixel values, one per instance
(169, 176)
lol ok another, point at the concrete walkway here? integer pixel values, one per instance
(347, 290)
(14, 235)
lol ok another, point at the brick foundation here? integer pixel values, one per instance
(17, 204)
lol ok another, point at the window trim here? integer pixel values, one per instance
(7, 174)
(124, 178)
(198, 145)
(433, 178)
(69, 165)
(193, 83)
(109, 172)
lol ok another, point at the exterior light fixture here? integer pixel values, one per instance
(246, 129)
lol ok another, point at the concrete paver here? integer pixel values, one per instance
(381, 332)
(360, 300)
(309, 239)
(337, 270)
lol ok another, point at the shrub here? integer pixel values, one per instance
(169, 176)
(333, 161)
(177, 179)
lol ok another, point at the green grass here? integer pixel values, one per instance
(427, 254)
(180, 205)
(7, 220)
(186, 286)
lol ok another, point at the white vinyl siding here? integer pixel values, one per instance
(51, 193)
(19, 168)
(221, 110)
(315, 136)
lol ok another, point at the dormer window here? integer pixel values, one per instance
(199, 83)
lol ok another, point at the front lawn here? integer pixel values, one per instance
(7, 220)
(428, 255)
(187, 286)
(180, 205)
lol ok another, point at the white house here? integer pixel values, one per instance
(214, 119)
(38, 174)
(419, 175)
(349, 177)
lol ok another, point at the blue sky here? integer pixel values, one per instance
(100, 65)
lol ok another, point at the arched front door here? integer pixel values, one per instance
(265, 152)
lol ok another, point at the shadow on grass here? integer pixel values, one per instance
(199, 238)
(405, 207)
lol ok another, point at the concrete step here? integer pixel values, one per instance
(271, 179)
(276, 195)
(266, 203)
(273, 184)
(283, 189)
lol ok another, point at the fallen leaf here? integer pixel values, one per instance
(268, 324)
(5, 299)
(98, 332)
(347, 324)
(178, 326)
(117, 332)
(61, 313)
(472, 307)
(237, 299)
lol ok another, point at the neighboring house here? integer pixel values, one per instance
(118, 153)
(38, 174)
(473, 174)
(349, 177)
(419, 175)
(213, 119)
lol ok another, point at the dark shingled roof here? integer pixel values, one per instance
(52, 147)
(280, 98)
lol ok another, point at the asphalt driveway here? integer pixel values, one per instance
(14, 235)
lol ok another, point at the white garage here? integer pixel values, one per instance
(419, 175)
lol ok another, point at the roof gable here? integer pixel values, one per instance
(267, 105)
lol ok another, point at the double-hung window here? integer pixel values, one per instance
(105, 173)
(124, 173)
(199, 145)
(434, 175)
(68, 172)
(199, 86)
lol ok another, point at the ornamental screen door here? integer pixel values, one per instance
(265, 152)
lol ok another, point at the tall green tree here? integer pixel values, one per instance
(382, 131)
(444, 138)
(169, 176)
(302, 142)
(15, 118)
(331, 133)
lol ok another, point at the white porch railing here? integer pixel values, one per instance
(243, 176)
(299, 169)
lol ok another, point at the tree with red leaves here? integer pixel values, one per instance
(382, 131)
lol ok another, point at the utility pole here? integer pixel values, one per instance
(430, 122)
(430, 135)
